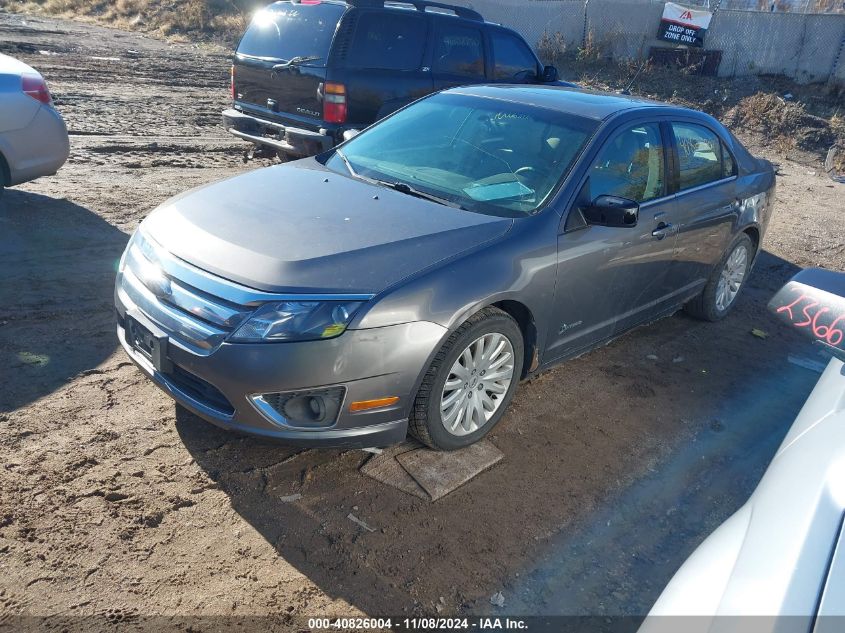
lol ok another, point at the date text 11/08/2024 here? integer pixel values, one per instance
(419, 624)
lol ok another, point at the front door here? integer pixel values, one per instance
(609, 279)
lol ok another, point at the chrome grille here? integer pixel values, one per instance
(194, 317)
(196, 308)
(184, 297)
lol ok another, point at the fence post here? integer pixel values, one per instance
(837, 61)
(584, 36)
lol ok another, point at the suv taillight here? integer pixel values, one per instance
(35, 87)
(334, 103)
(232, 82)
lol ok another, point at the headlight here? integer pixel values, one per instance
(122, 263)
(297, 321)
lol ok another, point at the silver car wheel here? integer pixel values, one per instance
(477, 383)
(731, 278)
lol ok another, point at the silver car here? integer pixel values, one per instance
(782, 555)
(412, 277)
(33, 136)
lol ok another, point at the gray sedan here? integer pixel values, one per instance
(33, 137)
(410, 278)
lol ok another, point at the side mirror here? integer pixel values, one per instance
(550, 74)
(348, 135)
(612, 211)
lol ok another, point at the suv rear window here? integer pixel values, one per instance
(283, 31)
(390, 41)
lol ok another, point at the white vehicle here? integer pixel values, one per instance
(782, 554)
(33, 136)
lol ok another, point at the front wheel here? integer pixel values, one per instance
(470, 382)
(725, 283)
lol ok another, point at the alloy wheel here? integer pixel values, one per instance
(731, 278)
(477, 383)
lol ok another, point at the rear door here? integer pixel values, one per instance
(707, 206)
(379, 56)
(268, 79)
(458, 56)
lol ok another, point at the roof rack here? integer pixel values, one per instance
(420, 5)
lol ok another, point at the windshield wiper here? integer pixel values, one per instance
(407, 189)
(401, 187)
(346, 162)
(295, 61)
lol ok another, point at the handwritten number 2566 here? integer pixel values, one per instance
(830, 333)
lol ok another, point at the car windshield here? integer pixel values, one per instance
(480, 154)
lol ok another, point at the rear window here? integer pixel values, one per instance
(391, 41)
(283, 31)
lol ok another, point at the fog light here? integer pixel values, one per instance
(313, 408)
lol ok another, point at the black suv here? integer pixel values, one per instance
(306, 71)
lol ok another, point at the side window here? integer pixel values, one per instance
(388, 41)
(512, 59)
(459, 50)
(699, 154)
(630, 165)
(728, 163)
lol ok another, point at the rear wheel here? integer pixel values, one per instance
(727, 280)
(470, 382)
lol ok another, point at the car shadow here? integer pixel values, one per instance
(511, 528)
(56, 313)
(283, 492)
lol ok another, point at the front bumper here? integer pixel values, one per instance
(293, 141)
(369, 364)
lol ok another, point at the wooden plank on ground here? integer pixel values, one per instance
(439, 473)
(385, 469)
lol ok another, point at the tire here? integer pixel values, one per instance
(707, 305)
(426, 420)
(5, 175)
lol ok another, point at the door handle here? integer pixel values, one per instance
(662, 230)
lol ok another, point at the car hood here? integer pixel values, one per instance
(302, 228)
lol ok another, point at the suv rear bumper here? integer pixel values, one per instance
(293, 141)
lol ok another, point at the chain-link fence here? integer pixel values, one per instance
(808, 47)
(772, 6)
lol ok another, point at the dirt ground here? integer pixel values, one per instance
(114, 504)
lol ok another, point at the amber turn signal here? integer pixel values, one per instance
(364, 405)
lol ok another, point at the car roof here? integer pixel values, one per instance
(586, 103)
(439, 8)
